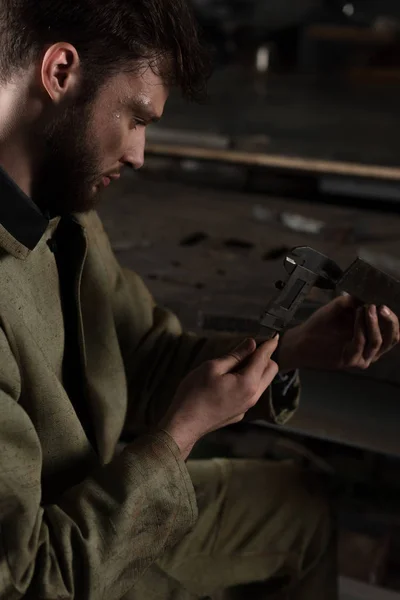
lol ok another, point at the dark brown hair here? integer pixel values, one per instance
(109, 35)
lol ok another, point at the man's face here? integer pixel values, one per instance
(87, 145)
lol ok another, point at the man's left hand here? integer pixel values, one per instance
(340, 335)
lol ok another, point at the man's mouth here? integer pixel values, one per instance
(106, 180)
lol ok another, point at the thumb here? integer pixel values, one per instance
(347, 301)
(236, 356)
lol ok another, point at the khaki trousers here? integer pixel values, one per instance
(265, 530)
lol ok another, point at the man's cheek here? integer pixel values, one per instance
(114, 143)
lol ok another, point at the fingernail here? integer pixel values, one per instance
(384, 311)
(371, 310)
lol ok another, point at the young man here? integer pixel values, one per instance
(88, 358)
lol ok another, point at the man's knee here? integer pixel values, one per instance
(292, 506)
(257, 520)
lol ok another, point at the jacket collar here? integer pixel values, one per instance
(22, 224)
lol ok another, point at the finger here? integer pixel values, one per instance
(353, 353)
(231, 361)
(343, 306)
(347, 301)
(268, 376)
(341, 310)
(374, 336)
(257, 363)
(270, 372)
(389, 325)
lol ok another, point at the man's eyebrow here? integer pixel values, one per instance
(145, 110)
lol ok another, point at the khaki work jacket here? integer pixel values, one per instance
(78, 518)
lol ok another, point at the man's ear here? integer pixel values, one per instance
(60, 71)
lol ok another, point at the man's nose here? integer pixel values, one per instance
(134, 156)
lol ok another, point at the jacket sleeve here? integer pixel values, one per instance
(102, 535)
(158, 354)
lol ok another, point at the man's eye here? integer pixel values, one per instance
(135, 123)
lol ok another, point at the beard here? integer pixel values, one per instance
(65, 182)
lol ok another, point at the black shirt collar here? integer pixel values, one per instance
(19, 215)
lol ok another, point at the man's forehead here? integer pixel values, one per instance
(145, 90)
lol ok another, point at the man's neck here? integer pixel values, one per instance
(15, 162)
(18, 154)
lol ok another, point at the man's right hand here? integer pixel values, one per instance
(220, 392)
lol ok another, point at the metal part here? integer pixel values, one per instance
(306, 268)
(370, 285)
